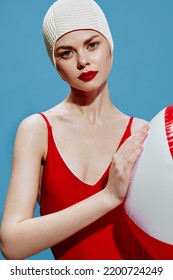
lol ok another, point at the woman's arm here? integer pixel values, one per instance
(21, 234)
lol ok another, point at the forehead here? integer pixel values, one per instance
(77, 36)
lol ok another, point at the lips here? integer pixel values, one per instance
(87, 76)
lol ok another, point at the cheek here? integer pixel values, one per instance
(105, 62)
(103, 57)
(63, 71)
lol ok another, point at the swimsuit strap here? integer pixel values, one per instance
(46, 120)
(128, 129)
(127, 132)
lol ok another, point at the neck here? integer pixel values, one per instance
(93, 106)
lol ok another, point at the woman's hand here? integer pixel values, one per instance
(122, 164)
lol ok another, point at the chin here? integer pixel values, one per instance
(90, 87)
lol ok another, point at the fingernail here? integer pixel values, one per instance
(146, 127)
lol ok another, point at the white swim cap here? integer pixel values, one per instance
(69, 15)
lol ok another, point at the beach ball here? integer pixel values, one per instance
(149, 201)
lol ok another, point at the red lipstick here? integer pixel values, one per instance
(87, 76)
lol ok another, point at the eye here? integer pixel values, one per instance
(66, 54)
(93, 45)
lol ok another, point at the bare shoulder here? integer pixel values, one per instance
(33, 122)
(32, 134)
(137, 124)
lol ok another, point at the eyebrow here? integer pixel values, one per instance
(64, 47)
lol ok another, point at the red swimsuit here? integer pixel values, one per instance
(110, 237)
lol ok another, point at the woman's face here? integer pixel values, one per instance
(83, 59)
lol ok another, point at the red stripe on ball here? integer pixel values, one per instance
(169, 127)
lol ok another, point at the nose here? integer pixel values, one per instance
(82, 60)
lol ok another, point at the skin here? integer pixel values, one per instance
(89, 114)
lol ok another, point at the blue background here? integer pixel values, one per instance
(140, 82)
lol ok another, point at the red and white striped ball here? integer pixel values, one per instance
(149, 202)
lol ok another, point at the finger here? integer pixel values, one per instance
(135, 155)
(143, 131)
(133, 142)
(138, 137)
(145, 127)
(130, 144)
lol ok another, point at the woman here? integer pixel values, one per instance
(82, 150)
